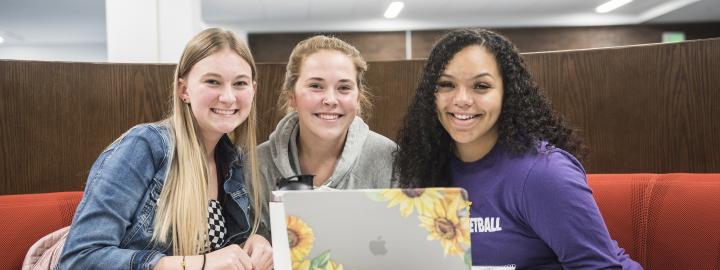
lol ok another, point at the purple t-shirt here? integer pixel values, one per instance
(535, 211)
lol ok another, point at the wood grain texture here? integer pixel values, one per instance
(649, 108)
(392, 85)
(374, 46)
(270, 80)
(543, 39)
(640, 108)
(57, 117)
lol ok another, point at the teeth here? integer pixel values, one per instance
(328, 116)
(464, 116)
(225, 112)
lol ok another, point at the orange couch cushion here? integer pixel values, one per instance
(26, 218)
(664, 221)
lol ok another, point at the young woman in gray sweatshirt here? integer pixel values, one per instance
(323, 133)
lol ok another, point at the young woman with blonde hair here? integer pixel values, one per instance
(171, 194)
(323, 133)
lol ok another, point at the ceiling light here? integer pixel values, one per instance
(611, 5)
(394, 9)
(2, 40)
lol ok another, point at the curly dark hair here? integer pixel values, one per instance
(526, 117)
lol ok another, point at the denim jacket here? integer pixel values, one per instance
(113, 224)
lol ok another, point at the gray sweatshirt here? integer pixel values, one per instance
(365, 162)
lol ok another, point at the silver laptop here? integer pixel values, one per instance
(377, 229)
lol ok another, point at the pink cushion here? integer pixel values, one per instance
(45, 253)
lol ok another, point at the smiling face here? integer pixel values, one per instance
(326, 95)
(469, 99)
(219, 90)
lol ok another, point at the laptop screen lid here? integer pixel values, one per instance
(378, 229)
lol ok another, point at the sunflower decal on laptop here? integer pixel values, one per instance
(301, 239)
(444, 213)
(408, 199)
(321, 261)
(444, 224)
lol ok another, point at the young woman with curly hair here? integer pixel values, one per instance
(479, 121)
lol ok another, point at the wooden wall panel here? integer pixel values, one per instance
(393, 85)
(651, 108)
(553, 39)
(374, 46)
(383, 46)
(270, 79)
(646, 108)
(57, 117)
(572, 38)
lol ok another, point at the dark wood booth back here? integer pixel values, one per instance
(649, 108)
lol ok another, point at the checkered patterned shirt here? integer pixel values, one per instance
(216, 226)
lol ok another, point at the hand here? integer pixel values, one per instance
(260, 251)
(232, 257)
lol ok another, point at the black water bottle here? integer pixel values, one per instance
(296, 182)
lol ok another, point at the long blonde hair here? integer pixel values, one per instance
(315, 44)
(181, 215)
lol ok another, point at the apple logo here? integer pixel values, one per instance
(377, 247)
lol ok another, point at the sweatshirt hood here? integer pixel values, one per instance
(283, 148)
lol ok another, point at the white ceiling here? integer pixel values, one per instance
(59, 22)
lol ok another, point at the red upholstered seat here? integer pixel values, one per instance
(26, 218)
(664, 221)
